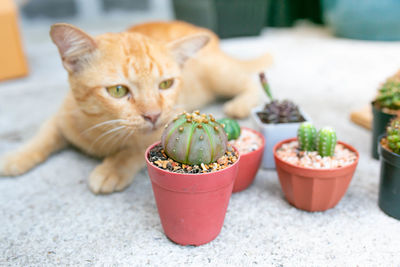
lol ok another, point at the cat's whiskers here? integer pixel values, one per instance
(104, 123)
(105, 134)
(115, 137)
(126, 138)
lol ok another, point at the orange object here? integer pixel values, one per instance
(192, 207)
(313, 189)
(362, 117)
(12, 59)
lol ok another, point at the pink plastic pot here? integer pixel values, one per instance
(313, 189)
(192, 207)
(249, 165)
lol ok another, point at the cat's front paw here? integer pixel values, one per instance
(17, 163)
(106, 180)
(237, 109)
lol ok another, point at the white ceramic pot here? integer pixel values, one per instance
(273, 134)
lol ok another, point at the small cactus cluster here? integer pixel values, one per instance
(389, 94)
(231, 127)
(393, 135)
(194, 138)
(324, 141)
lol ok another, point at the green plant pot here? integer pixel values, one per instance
(389, 187)
(380, 120)
(227, 18)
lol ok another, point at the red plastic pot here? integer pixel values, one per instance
(313, 189)
(249, 165)
(192, 207)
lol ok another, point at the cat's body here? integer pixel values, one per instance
(151, 66)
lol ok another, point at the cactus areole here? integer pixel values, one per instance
(194, 138)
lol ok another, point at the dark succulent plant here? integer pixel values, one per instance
(278, 111)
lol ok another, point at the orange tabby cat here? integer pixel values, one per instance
(126, 86)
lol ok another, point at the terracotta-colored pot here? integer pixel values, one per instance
(249, 165)
(313, 189)
(192, 207)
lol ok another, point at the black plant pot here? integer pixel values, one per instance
(389, 188)
(283, 13)
(380, 121)
(227, 18)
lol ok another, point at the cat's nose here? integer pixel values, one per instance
(151, 116)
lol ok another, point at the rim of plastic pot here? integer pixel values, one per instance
(394, 113)
(320, 171)
(185, 174)
(388, 155)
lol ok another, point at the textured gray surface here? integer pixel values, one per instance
(49, 216)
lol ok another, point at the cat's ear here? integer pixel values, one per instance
(184, 48)
(73, 44)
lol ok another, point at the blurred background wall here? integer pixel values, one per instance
(92, 9)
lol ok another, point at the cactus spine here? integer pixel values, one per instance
(306, 136)
(393, 135)
(326, 142)
(194, 139)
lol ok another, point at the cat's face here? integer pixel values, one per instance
(124, 76)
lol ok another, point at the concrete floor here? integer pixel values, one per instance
(49, 216)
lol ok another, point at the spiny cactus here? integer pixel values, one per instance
(389, 94)
(231, 127)
(194, 139)
(306, 136)
(393, 135)
(326, 141)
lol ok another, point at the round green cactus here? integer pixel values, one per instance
(231, 127)
(326, 142)
(393, 135)
(306, 136)
(194, 139)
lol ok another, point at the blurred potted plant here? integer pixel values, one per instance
(276, 120)
(314, 169)
(389, 187)
(192, 171)
(250, 144)
(227, 18)
(384, 108)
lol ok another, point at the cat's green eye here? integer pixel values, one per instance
(166, 84)
(117, 91)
